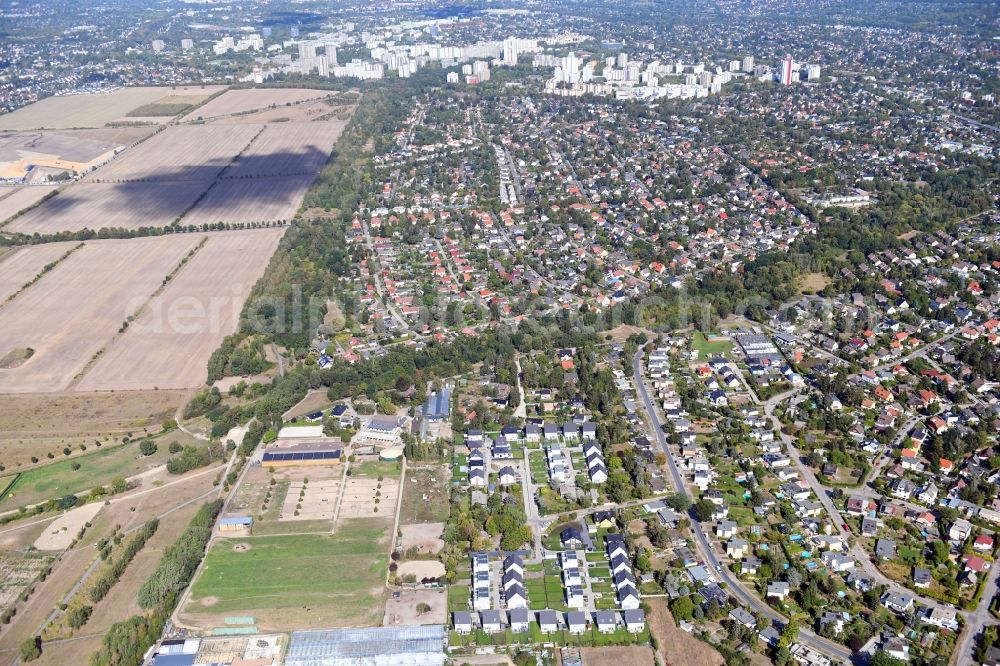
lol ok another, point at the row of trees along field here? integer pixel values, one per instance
(125, 642)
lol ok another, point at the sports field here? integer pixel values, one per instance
(295, 581)
(706, 349)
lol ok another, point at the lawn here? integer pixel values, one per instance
(96, 469)
(538, 466)
(458, 597)
(708, 349)
(458, 461)
(376, 468)
(277, 527)
(291, 581)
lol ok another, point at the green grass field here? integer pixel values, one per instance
(286, 581)
(98, 468)
(277, 527)
(375, 468)
(458, 597)
(708, 349)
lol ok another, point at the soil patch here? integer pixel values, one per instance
(633, 655)
(425, 537)
(60, 534)
(677, 647)
(401, 610)
(421, 569)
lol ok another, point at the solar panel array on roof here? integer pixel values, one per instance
(300, 455)
(378, 646)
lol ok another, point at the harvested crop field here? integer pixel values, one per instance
(184, 152)
(253, 99)
(168, 345)
(76, 308)
(15, 199)
(251, 200)
(288, 149)
(95, 206)
(21, 265)
(97, 109)
(37, 424)
(297, 113)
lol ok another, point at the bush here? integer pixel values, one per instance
(175, 447)
(190, 458)
(31, 649)
(147, 447)
(66, 502)
(79, 616)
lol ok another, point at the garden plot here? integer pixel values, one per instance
(97, 109)
(17, 571)
(251, 200)
(77, 307)
(287, 149)
(96, 206)
(15, 199)
(315, 500)
(185, 152)
(168, 345)
(253, 99)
